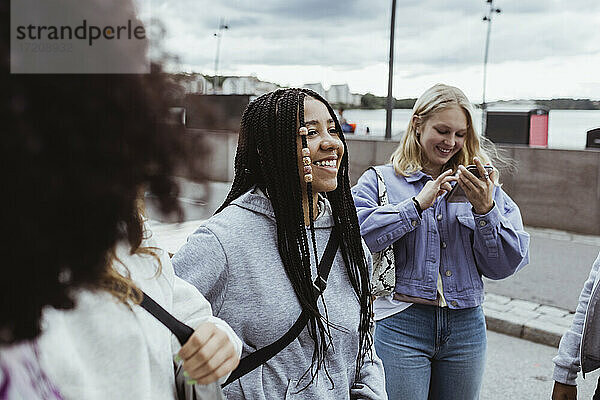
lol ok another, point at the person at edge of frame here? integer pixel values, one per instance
(80, 151)
(579, 348)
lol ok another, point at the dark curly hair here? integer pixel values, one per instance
(270, 126)
(78, 150)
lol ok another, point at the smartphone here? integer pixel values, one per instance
(457, 194)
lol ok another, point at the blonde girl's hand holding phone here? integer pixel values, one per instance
(478, 185)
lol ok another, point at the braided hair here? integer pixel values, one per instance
(267, 157)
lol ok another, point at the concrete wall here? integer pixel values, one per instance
(216, 112)
(219, 147)
(557, 189)
(365, 151)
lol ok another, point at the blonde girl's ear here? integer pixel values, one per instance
(416, 120)
(417, 123)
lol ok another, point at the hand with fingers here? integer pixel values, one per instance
(435, 188)
(564, 392)
(208, 355)
(479, 191)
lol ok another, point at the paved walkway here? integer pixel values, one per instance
(530, 320)
(560, 263)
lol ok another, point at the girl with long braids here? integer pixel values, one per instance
(256, 259)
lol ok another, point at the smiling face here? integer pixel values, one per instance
(326, 148)
(441, 137)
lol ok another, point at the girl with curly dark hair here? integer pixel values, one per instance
(256, 258)
(79, 151)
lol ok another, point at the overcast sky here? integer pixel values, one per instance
(538, 48)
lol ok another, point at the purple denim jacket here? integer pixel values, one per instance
(448, 237)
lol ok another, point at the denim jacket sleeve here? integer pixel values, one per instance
(380, 226)
(500, 244)
(567, 362)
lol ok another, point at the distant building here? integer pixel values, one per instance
(356, 99)
(194, 83)
(239, 85)
(250, 85)
(339, 94)
(316, 87)
(265, 87)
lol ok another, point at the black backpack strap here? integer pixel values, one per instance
(253, 360)
(181, 331)
(261, 356)
(326, 262)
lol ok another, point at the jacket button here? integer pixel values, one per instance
(413, 222)
(444, 245)
(482, 223)
(454, 303)
(448, 272)
(439, 217)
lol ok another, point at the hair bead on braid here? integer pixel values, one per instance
(308, 178)
(306, 160)
(267, 157)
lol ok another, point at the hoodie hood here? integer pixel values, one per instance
(256, 201)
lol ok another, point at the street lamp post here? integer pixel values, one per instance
(488, 19)
(218, 35)
(390, 100)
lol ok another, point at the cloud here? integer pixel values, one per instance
(431, 35)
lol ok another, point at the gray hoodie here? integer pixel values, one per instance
(233, 260)
(579, 347)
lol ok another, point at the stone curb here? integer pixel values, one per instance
(592, 240)
(525, 319)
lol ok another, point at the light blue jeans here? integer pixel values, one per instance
(432, 353)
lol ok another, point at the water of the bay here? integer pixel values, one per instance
(567, 129)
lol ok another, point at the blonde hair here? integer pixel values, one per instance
(409, 158)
